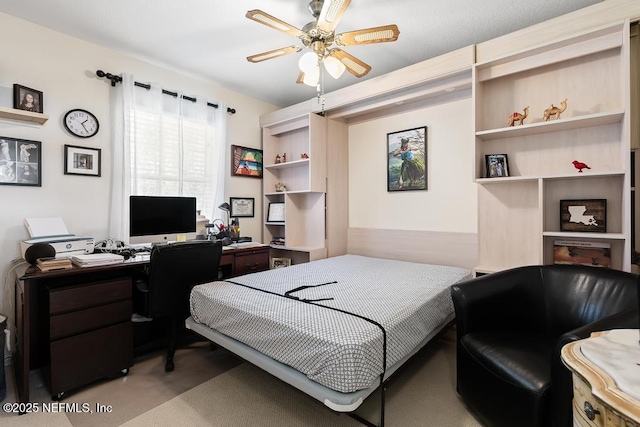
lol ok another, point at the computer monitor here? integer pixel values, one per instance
(157, 219)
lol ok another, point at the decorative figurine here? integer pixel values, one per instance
(304, 156)
(277, 158)
(515, 117)
(579, 165)
(281, 187)
(284, 158)
(554, 111)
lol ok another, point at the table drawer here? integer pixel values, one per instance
(63, 325)
(84, 358)
(251, 262)
(582, 394)
(88, 295)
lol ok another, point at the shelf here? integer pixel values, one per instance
(584, 175)
(22, 116)
(296, 248)
(590, 236)
(274, 223)
(275, 193)
(570, 123)
(286, 165)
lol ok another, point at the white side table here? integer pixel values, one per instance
(606, 378)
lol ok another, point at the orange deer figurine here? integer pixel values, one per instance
(515, 117)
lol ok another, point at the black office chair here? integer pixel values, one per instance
(174, 270)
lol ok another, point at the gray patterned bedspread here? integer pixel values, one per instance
(337, 350)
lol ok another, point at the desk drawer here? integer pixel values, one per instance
(251, 262)
(88, 295)
(63, 325)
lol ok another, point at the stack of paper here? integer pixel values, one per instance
(92, 260)
(48, 264)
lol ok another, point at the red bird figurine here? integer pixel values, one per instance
(579, 165)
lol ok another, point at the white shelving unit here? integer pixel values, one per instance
(305, 180)
(519, 215)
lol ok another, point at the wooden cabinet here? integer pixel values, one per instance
(305, 179)
(519, 215)
(598, 401)
(90, 333)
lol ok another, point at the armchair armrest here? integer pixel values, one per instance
(507, 300)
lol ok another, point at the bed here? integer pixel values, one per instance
(334, 328)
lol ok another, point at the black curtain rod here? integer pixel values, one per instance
(117, 79)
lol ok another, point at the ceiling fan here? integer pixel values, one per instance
(319, 36)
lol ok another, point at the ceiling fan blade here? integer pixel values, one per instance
(330, 15)
(300, 79)
(353, 64)
(385, 33)
(273, 53)
(275, 23)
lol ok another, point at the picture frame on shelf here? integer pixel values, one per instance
(246, 162)
(27, 99)
(597, 254)
(275, 212)
(407, 160)
(82, 161)
(280, 262)
(583, 215)
(20, 162)
(497, 165)
(242, 207)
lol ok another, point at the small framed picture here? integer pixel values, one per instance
(583, 215)
(246, 162)
(497, 165)
(275, 212)
(280, 262)
(25, 98)
(20, 162)
(242, 207)
(82, 160)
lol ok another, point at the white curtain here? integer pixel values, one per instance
(165, 146)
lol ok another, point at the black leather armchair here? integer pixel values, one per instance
(511, 326)
(174, 270)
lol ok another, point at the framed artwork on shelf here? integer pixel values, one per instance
(82, 160)
(583, 215)
(280, 262)
(497, 165)
(275, 212)
(246, 162)
(27, 99)
(20, 162)
(596, 254)
(407, 160)
(242, 207)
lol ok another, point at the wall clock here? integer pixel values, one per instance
(81, 123)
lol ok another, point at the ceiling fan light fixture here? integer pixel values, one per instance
(334, 67)
(308, 62)
(311, 78)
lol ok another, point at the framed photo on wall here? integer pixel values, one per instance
(583, 215)
(82, 160)
(246, 162)
(407, 160)
(497, 165)
(242, 207)
(27, 99)
(20, 162)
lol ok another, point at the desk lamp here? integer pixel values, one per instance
(226, 208)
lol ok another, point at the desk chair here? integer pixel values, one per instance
(174, 270)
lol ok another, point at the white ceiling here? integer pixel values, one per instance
(212, 38)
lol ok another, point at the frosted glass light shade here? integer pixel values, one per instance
(334, 67)
(311, 78)
(308, 62)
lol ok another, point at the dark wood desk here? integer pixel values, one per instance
(42, 316)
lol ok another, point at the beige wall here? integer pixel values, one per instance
(64, 69)
(450, 202)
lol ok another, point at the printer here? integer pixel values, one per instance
(54, 232)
